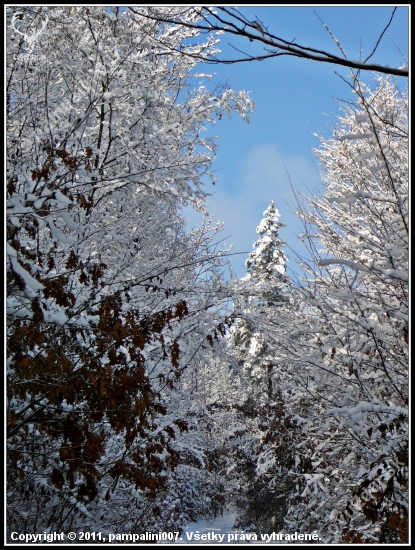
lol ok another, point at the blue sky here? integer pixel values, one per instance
(294, 98)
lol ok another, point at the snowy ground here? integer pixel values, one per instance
(218, 531)
(213, 529)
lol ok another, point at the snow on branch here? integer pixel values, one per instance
(349, 263)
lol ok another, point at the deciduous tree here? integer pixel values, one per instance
(348, 376)
(110, 300)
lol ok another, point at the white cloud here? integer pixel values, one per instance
(240, 203)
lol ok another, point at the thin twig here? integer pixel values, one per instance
(380, 37)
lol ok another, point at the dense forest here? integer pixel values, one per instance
(147, 387)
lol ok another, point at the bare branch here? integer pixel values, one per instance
(238, 25)
(380, 37)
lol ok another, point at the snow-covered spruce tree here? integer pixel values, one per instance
(267, 261)
(265, 287)
(253, 344)
(348, 371)
(109, 300)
